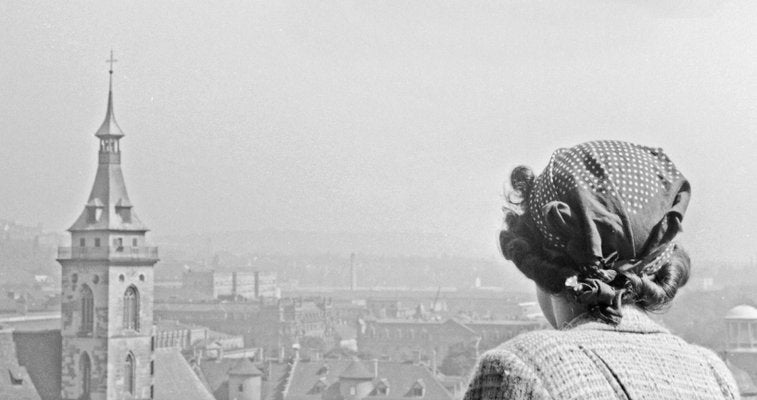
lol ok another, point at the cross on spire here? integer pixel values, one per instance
(111, 60)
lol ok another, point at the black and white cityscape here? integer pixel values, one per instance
(301, 201)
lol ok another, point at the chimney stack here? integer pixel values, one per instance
(353, 273)
(433, 362)
(375, 368)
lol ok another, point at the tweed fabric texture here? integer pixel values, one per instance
(636, 359)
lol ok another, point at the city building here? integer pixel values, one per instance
(231, 285)
(271, 323)
(408, 339)
(193, 338)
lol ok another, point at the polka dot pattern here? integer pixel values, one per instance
(630, 173)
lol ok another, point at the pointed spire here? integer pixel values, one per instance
(109, 127)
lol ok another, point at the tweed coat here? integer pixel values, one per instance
(636, 359)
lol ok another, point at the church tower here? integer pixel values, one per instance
(107, 284)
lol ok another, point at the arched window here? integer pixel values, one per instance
(129, 374)
(85, 369)
(87, 310)
(131, 308)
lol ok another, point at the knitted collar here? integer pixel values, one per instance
(634, 321)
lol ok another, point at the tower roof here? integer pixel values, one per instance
(109, 127)
(108, 206)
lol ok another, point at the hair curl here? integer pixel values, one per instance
(521, 243)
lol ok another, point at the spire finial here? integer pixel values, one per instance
(109, 127)
(111, 60)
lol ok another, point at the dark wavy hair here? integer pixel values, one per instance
(521, 243)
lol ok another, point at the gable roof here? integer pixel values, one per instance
(40, 353)
(15, 382)
(174, 378)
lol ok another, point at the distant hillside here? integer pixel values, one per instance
(26, 251)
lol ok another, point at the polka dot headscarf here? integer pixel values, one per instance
(605, 197)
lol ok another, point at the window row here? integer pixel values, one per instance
(386, 333)
(129, 371)
(117, 242)
(130, 309)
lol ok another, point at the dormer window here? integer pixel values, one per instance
(319, 386)
(94, 210)
(17, 378)
(418, 389)
(126, 215)
(94, 214)
(382, 388)
(123, 209)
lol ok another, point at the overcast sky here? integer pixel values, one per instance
(368, 115)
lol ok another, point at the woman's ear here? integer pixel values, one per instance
(545, 303)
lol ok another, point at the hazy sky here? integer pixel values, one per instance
(371, 115)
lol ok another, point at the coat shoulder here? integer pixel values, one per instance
(720, 370)
(502, 374)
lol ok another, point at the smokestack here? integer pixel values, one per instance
(433, 362)
(234, 285)
(375, 368)
(353, 273)
(257, 284)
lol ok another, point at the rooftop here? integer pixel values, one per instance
(175, 379)
(400, 378)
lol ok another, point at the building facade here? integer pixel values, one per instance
(247, 285)
(406, 339)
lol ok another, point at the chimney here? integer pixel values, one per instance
(353, 273)
(375, 368)
(257, 284)
(433, 362)
(234, 290)
(296, 349)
